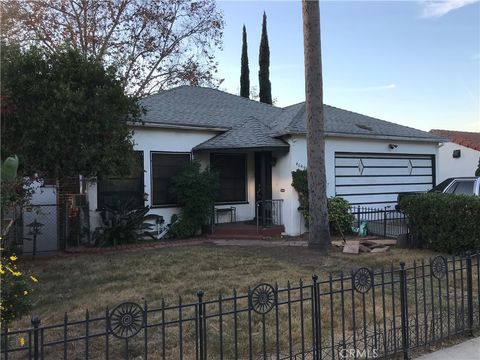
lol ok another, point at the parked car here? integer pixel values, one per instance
(459, 186)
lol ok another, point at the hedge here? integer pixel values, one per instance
(444, 222)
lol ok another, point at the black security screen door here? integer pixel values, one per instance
(263, 164)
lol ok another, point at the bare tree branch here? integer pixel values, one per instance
(154, 44)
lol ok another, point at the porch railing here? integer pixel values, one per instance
(268, 213)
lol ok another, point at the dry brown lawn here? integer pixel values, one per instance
(94, 281)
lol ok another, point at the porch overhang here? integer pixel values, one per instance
(277, 149)
(251, 135)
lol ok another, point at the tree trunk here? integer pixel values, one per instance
(319, 234)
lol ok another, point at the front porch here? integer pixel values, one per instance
(247, 204)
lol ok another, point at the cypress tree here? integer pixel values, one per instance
(245, 72)
(264, 62)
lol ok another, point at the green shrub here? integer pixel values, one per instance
(300, 184)
(196, 190)
(444, 222)
(339, 216)
(182, 229)
(121, 224)
(17, 288)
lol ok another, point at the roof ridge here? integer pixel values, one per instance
(456, 131)
(238, 96)
(294, 117)
(161, 92)
(292, 105)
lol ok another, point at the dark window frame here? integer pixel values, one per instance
(141, 194)
(152, 153)
(245, 198)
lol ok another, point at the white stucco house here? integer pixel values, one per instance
(255, 147)
(460, 156)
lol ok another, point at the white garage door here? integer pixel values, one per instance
(375, 180)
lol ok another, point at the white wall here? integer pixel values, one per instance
(293, 222)
(170, 140)
(448, 166)
(156, 139)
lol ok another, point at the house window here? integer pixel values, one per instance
(232, 171)
(164, 167)
(114, 190)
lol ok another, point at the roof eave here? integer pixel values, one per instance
(146, 124)
(278, 148)
(368, 136)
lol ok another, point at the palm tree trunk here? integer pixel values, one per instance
(319, 234)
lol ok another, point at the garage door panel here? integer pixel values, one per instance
(363, 178)
(346, 162)
(371, 189)
(383, 171)
(383, 180)
(422, 162)
(383, 162)
(421, 171)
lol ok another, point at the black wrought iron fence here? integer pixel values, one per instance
(386, 222)
(364, 314)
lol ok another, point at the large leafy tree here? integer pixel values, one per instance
(244, 72)
(66, 115)
(264, 62)
(319, 234)
(154, 44)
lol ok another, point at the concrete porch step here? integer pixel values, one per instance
(244, 231)
(236, 237)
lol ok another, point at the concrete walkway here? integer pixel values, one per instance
(468, 350)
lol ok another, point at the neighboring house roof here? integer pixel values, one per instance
(464, 138)
(248, 121)
(250, 134)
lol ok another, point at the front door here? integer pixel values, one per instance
(263, 184)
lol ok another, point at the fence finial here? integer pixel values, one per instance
(35, 321)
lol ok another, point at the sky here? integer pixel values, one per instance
(415, 63)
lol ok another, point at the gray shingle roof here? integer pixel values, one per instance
(203, 107)
(344, 122)
(259, 124)
(252, 133)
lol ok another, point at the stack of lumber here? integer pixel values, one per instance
(358, 246)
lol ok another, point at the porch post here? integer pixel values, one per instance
(263, 182)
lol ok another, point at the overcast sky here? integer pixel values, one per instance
(415, 63)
